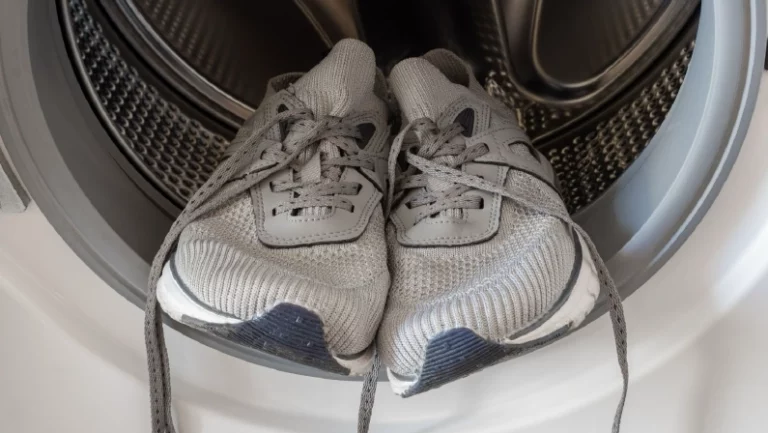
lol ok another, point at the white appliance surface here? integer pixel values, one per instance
(73, 360)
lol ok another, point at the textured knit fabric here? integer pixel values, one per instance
(341, 84)
(225, 266)
(221, 260)
(483, 292)
(496, 287)
(235, 258)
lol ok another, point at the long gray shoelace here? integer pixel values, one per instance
(427, 163)
(439, 146)
(223, 186)
(368, 395)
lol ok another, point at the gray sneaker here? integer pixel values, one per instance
(486, 263)
(283, 249)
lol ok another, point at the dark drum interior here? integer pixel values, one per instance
(558, 66)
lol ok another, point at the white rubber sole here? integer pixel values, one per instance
(177, 303)
(576, 308)
(572, 313)
(399, 386)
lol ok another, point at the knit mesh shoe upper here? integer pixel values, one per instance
(462, 257)
(223, 263)
(311, 234)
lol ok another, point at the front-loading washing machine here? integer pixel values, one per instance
(652, 112)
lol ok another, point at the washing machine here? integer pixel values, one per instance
(654, 114)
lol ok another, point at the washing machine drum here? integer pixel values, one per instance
(118, 110)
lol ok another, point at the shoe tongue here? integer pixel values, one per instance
(422, 90)
(340, 81)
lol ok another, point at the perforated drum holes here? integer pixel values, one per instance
(590, 162)
(178, 154)
(174, 151)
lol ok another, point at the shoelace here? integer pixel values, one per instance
(438, 143)
(440, 147)
(221, 187)
(368, 395)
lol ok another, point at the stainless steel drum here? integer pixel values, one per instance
(116, 111)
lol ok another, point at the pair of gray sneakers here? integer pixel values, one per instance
(323, 241)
